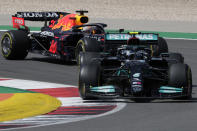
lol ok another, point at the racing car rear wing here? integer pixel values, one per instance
(117, 38)
(19, 18)
(39, 16)
(142, 36)
(149, 38)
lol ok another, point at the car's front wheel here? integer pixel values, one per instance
(86, 45)
(89, 76)
(180, 76)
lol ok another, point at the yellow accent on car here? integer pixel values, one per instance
(133, 33)
(151, 47)
(80, 19)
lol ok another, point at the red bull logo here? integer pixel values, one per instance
(53, 47)
(68, 21)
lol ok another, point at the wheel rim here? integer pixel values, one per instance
(6, 45)
(82, 90)
(77, 54)
(189, 83)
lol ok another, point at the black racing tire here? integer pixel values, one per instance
(86, 45)
(15, 45)
(177, 56)
(87, 57)
(89, 75)
(162, 47)
(180, 75)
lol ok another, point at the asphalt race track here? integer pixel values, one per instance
(159, 115)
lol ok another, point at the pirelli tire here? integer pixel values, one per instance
(180, 76)
(162, 47)
(89, 76)
(15, 44)
(87, 57)
(86, 45)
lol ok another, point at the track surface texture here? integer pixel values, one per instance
(159, 115)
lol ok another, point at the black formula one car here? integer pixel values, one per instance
(62, 35)
(136, 66)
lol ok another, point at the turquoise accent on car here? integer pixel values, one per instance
(170, 88)
(169, 91)
(142, 36)
(103, 89)
(124, 71)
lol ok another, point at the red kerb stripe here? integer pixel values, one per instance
(2, 79)
(59, 92)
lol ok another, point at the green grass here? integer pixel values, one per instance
(162, 34)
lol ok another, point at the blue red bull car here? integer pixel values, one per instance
(62, 35)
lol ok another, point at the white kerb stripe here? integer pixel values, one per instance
(29, 84)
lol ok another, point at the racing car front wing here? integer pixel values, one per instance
(112, 92)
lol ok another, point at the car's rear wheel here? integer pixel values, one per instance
(86, 45)
(15, 44)
(89, 76)
(180, 76)
(87, 57)
(177, 56)
(162, 47)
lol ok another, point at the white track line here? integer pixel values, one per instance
(179, 38)
(28, 84)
